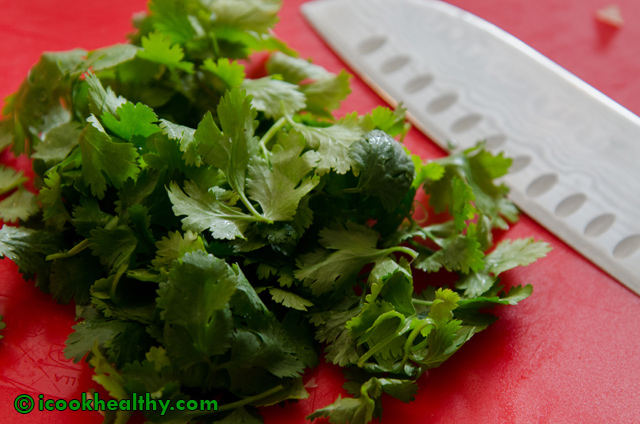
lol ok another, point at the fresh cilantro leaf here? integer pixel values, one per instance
(369, 313)
(195, 310)
(135, 121)
(266, 350)
(292, 389)
(295, 69)
(175, 246)
(331, 144)
(26, 247)
(171, 17)
(279, 188)
(253, 15)
(431, 171)
(507, 255)
(477, 167)
(385, 170)
(512, 297)
(230, 73)
(157, 47)
(231, 149)
(325, 95)
(359, 410)
(87, 215)
(347, 410)
(114, 246)
(390, 121)
(347, 249)
(404, 390)
(274, 97)
(10, 179)
(108, 57)
(58, 143)
(446, 301)
(186, 137)
(211, 210)
(385, 340)
(458, 253)
(510, 254)
(36, 107)
(461, 207)
(88, 333)
(393, 282)
(19, 205)
(341, 346)
(289, 299)
(342, 351)
(102, 100)
(103, 158)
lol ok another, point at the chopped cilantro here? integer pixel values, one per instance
(218, 234)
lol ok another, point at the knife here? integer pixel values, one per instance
(576, 152)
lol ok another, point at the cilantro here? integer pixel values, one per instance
(10, 179)
(288, 299)
(213, 211)
(20, 205)
(331, 144)
(158, 48)
(325, 95)
(103, 158)
(217, 234)
(195, 331)
(280, 187)
(295, 69)
(346, 251)
(274, 97)
(135, 121)
(231, 74)
(58, 143)
(253, 15)
(385, 171)
(26, 247)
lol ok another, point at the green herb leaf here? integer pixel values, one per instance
(103, 158)
(195, 310)
(19, 205)
(274, 97)
(158, 48)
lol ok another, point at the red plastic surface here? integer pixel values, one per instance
(569, 354)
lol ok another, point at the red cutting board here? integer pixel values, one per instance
(569, 354)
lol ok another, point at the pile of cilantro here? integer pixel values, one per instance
(219, 233)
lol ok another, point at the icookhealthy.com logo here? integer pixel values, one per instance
(25, 403)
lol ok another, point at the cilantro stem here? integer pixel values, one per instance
(251, 399)
(422, 302)
(406, 250)
(116, 280)
(269, 135)
(376, 348)
(259, 217)
(71, 252)
(409, 343)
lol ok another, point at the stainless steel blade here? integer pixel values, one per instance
(576, 152)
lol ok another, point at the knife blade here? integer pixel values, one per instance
(575, 151)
